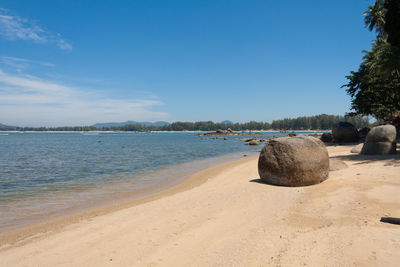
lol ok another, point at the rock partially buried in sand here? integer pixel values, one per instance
(335, 165)
(380, 140)
(294, 161)
(345, 132)
(357, 149)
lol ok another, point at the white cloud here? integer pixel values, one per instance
(31, 101)
(20, 64)
(13, 27)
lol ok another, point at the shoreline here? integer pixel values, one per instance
(248, 131)
(225, 216)
(58, 221)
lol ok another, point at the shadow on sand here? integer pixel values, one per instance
(392, 159)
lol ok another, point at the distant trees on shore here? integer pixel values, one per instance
(319, 122)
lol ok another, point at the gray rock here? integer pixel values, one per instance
(335, 165)
(382, 133)
(248, 139)
(357, 149)
(345, 132)
(380, 140)
(379, 148)
(253, 143)
(294, 161)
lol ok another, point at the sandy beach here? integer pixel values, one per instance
(224, 216)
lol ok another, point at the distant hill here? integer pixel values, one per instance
(119, 124)
(227, 122)
(4, 127)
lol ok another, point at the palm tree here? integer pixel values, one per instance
(375, 18)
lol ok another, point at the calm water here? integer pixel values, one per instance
(43, 174)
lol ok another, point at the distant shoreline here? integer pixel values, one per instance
(100, 131)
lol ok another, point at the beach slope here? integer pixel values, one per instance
(231, 219)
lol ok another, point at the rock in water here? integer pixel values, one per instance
(294, 161)
(380, 140)
(253, 143)
(345, 132)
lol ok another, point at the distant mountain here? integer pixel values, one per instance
(4, 127)
(227, 122)
(119, 124)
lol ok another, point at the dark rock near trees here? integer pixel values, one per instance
(327, 138)
(363, 132)
(292, 134)
(382, 133)
(378, 148)
(380, 140)
(345, 132)
(294, 161)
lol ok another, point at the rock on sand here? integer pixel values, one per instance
(294, 161)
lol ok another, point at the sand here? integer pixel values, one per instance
(224, 216)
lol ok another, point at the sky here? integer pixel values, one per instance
(66, 62)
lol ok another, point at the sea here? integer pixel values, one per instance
(43, 174)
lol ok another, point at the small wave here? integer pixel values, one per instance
(90, 133)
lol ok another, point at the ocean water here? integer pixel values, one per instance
(46, 174)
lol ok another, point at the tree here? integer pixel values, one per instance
(375, 86)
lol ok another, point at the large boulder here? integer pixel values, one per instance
(380, 140)
(382, 133)
(345, 132)
(294, 161)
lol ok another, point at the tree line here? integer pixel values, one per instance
(318, 122)
(375, 86)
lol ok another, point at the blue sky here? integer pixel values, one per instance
(82, 62)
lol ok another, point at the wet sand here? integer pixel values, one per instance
(224, 216)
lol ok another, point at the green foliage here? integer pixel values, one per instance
(322, 122)
(375, 87)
